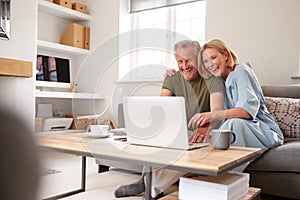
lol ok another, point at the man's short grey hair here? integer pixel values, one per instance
(188, 43)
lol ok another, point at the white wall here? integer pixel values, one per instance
(99, 71)
(17, 93)
(265, 33)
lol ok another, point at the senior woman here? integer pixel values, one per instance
(245, 111)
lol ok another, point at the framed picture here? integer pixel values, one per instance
(5, 19)
(49, 68)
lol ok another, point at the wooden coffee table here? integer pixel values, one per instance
(206, 161)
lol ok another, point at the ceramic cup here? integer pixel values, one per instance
(99, 129)
(222, 139)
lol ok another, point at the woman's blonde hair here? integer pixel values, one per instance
(222, 48)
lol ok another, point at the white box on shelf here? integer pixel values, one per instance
(44, 110)
(56, 123)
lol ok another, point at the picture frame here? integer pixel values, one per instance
(5, 7)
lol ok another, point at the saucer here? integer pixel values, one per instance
(118, 131)
(97, 135)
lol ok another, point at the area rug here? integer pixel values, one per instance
(48, 171)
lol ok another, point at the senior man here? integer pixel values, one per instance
(200, 96)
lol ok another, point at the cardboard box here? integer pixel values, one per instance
(73, 36)
(51, 1)
(64, 3)
(79, 124)
(38, 124)
(79, 7)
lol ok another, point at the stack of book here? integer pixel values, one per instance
(227, 186)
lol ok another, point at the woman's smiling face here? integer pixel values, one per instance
(214, 61)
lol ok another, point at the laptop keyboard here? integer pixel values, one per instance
(198, 145)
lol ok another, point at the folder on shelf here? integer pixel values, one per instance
(73, 35)
(87, 37)
(76, 35)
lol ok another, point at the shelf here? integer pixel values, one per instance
(61, 48)
(16, 68)
(66, 95)
(60, 11)
(295, 77)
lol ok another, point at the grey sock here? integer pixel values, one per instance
(131, 189)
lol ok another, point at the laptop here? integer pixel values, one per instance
(157, 121)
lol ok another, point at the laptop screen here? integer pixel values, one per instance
(156, 121)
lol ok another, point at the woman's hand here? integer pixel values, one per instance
(169, 72)
(199, 135)
(200, 119)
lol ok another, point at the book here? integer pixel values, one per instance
(227, 186)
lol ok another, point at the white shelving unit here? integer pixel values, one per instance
(72, 16)
(57, 93)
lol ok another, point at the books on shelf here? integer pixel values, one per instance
(227, 186)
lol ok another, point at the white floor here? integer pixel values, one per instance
(98, 185)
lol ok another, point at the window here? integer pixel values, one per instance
(164, 27)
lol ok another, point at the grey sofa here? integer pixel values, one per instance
(277, 171)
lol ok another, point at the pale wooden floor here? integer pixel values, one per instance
(98, 186)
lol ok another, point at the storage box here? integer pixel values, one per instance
(38, 124)
(73, 36)
(64, 3)
(79, 7)
(79, 124)
(51, 1)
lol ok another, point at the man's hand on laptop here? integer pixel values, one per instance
(199, 135)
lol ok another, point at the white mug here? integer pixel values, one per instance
(222, 139)
(99, 129)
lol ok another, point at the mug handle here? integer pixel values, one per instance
(233, 138)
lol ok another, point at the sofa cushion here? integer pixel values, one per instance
(284, 158)
(286, 112)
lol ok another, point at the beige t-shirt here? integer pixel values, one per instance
(195, 92)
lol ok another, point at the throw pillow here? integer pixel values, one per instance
(286, 112)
